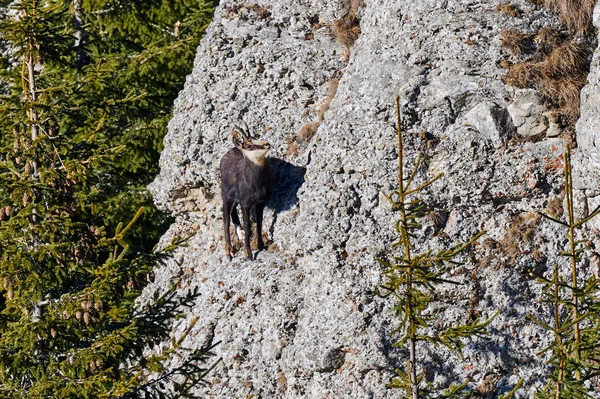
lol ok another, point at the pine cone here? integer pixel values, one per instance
(78, 315)
(28, 168)
(7, 210)
(86, 318)
(98, 306)
(66, 315)
(86, 304)
(92, 366)
(1, 213)
(18, 160)
(10, 294)
(53, 332)
(26, 199)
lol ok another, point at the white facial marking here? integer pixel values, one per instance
(257, 156)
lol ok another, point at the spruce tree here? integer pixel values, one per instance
(80, 136)
(575, 305)
(411, 280)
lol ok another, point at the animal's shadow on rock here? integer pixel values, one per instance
(288, 179)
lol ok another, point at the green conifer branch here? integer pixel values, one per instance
(411, 277)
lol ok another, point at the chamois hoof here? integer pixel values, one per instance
(258, 244)
(248, 254)
(229, 252)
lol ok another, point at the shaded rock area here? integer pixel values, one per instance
(304, 319)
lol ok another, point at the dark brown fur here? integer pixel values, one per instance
(249, 185)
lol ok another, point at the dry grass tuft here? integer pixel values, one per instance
(517, 241)
(519, 234)
(564, 93)
(517, 42)
(292, 150)
(352, 6)
(555, 206)
(577, 14)
(332, 87)
(568, 59)
(523, 75)
(242, 11)
(505, 64)
(558, 70)
(509, 9)
(346, 30)
(307, 132)
(547, 39)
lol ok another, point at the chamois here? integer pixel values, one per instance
(246, 180)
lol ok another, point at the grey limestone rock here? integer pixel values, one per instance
(527, 113)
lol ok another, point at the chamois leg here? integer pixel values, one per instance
(236, 223)
(260, 245)
(246, 221)
(226, 216)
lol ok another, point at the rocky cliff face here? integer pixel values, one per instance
(303, 320)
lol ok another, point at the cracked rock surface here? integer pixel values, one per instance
(304, 319)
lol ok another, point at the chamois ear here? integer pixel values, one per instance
(237, 137)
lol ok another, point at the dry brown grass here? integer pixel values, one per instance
(236, 10)
(558, 70)
(292, 150)
(568, 59)
(519, 234)
(523, 75)
(352, 6)
(517, 241)
(509, 9)
(564, 93)
(346, 30)
(577, 14)
(518, 43)
(307, 132)
(547, 39)
(332, 87)
(555, 206)
(505, 64)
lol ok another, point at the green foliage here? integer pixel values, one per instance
(79, 140)
(574, 351)
(412, 279)
(513, 391)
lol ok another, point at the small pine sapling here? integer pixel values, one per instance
(574, 351)
(412, 279)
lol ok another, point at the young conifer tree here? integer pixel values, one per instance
(73, 258)
(411, 279)
(575, 325)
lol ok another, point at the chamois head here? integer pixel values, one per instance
(253, 149)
